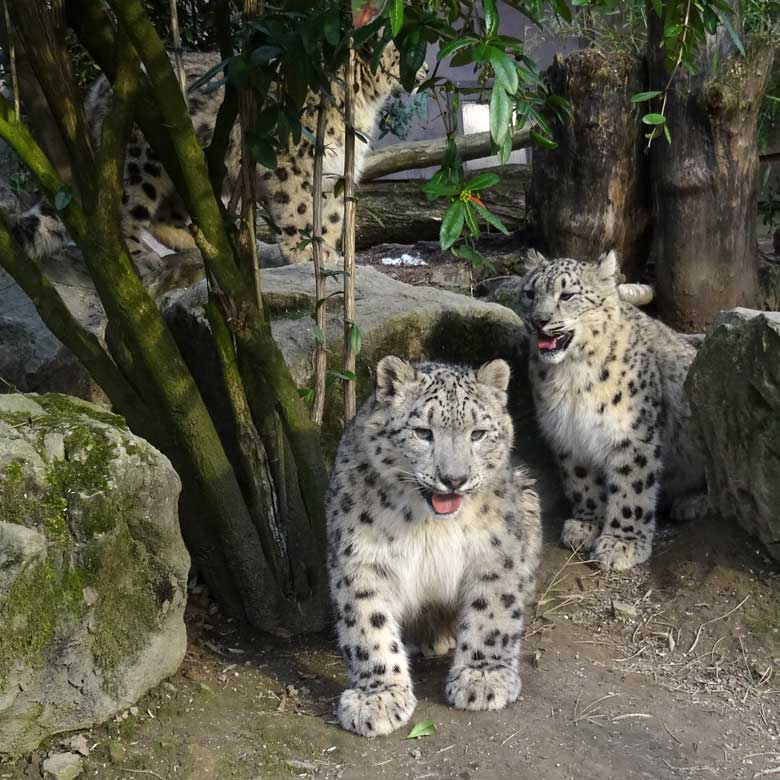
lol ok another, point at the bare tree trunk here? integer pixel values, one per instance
(705, 183)
(591, 194)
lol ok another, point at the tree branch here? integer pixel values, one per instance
(421, 154)
(81, 342)
(49, 58)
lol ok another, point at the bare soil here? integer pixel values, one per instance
(668, 671)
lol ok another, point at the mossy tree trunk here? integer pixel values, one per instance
(705, 183)
(268, 566)
(591, 193)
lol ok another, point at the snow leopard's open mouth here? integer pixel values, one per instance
(445, 503)
(553, 344)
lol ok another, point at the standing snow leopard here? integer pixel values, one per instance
(430, 531)
(608, 388)
(150, 202)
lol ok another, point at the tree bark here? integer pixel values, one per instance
(420, 154)
(591, 193)
(705, 183)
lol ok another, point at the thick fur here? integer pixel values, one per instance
(150, 203)
(612, 407)
(398, 571)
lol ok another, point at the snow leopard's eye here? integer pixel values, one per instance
(567, 296)
(529, 293)
(424, 434)
(478, 435)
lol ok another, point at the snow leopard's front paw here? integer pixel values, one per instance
(375, 713)
(433, 649)
(614, 552)
(580, 534)
(482, 689)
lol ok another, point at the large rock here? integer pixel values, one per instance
(93, 569)
(734, 390)
(413, 322)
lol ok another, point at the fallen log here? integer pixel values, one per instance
(421, 154)
(396, 210)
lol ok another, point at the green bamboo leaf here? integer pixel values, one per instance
(500, 114)
(642, 97)
(471, 221)
(491, 18)
(505, 69)
(482, 181)
(263, 153)
(425, 728)
(454, 46)
(62, 198)
(505, 149)
(319, 336)
(452, 224)
(489, 217)
(543, 141)
(724, 17)
(355, 338)
(396, 16)
(654, 119)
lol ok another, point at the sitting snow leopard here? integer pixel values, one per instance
(430, 532)
(608, 388)
(150, 202)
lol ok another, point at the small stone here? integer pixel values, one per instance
(134, 711)
(77, 744)
(305, 766)
(170, 687)
(117, 753)
(62, 766)
(205, 687)
(416, 753)
(621, 609)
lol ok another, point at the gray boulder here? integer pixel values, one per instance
(419, 323)
(93, 569)
(734, 390)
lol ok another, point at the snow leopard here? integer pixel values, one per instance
(433, 539)
(607, 383)
(151, 204)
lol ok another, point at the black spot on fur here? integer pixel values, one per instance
(378, 619)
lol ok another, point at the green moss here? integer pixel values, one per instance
(31, 612)
(129, 605)
(85, 521)
(63, 408)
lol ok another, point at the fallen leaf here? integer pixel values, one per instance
(425, 728)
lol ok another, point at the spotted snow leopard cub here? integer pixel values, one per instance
(608, 387)
(431, 532)
(150, 202)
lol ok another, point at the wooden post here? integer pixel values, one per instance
(348, 240)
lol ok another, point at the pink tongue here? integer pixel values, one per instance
(446, 503)
(547, 342)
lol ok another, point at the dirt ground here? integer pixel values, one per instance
(668, 671)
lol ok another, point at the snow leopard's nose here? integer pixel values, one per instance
(539, 321)
(452, 483)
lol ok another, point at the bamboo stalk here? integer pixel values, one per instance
(321, 353)
(177, 52)
(348, 238)
(247, 109)
(12, 58)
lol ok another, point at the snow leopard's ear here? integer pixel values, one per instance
(494, 374)
(533, 259)
(392, 374)
(608, 266)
